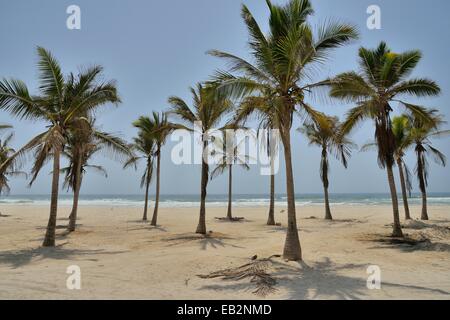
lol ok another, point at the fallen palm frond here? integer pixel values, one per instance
(256, 270)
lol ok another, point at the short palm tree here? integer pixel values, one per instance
(326, 135)
(283, 60)
(229, 157)
(12, 170)
(400, 129)
(159, 128)
(143, 147)
(382, 79)
(83, 142)
(209, 108)
(266, 115)
(60, 103)
(422, 134)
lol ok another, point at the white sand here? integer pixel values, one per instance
(121, 257)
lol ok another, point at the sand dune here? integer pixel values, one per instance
(121, 257)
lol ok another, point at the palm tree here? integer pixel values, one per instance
(382, 78)
(84, 141)
(144, 148)
(400, 130)
(262, 108)
(283, 61)
(61, 102)
(421, 134)
(325, 134)
(6, 151)
(159, 128)
(209, 107)
(229, 156)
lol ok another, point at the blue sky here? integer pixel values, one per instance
(155, 49)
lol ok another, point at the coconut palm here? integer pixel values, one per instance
(422, 134)
(383, 78)
(268, 134)
(208, 109)
(229, 157)
(326, 135)
(283, 60)
(83, 142)
(159, 128)
(12, 170)
(60, 103)
(143, 147)
(400, 129)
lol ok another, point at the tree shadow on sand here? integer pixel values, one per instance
(212, 239)
(320, 280)
(409, 243)
(19, 258)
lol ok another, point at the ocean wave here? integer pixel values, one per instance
(218, 200)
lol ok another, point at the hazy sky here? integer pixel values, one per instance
(156, 48)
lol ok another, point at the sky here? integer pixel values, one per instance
(156, 49)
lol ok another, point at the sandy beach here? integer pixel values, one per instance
(121, 257)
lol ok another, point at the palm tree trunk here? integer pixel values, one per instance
(230, 183)
(404, 192)
(201, 228)
(271, 219)
(147, 185)
(328, 215)
(324, 170)
(158, 167)
(49, 240)
(76, 195)
(292, 250)
(422, 184)
(424, 215)
(397, 229)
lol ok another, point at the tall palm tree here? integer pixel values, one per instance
(144, 149)
(382, 79)
(60, 103)
(229, 156)
(422, 134)
(84, 141)
(326, 135)
(283, 60)
(208, 109)
(12, 170)
(159, 128)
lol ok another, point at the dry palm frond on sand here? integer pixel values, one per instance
(257, 271)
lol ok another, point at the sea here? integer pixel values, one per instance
(221, 200)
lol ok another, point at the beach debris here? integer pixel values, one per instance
(257, 271)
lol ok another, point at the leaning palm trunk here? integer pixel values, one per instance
(49, 240)
(76, 195)
(271, 219)
(292, 250)
(201, 228)
(230, 182)
(158, 167)
(147, 185)
(403, 185)
(397, 229)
